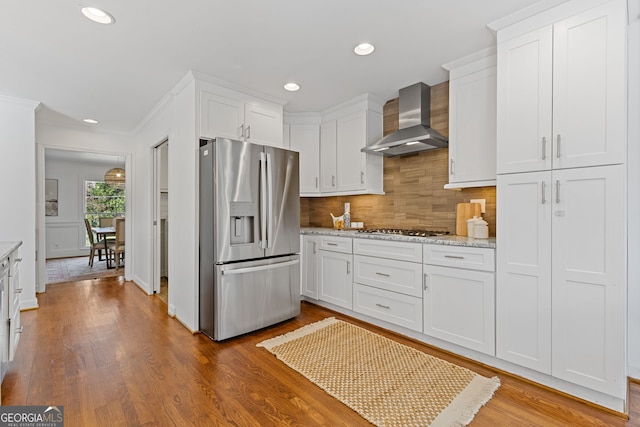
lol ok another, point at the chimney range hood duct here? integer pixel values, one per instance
(414, 134)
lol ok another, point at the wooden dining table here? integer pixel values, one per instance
(103, 233)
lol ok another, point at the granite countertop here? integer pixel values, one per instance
(7, 247)
(436, 240)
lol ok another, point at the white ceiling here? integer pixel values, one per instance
(116, 73)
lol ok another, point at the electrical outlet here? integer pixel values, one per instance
(482, 204)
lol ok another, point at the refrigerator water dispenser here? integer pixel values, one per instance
(242, 222)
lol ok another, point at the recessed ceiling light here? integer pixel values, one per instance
(97, 15)
(364, 49)
(292, 87)
(91, 121)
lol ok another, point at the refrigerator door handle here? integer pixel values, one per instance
(263, 201)
(269, 201)
(259, 267)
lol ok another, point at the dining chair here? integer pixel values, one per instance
(116, 247)
(94, 243)
(106, 222)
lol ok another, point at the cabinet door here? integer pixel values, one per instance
(14, 288)
(309, 270)
(328, 150)
(589, 116)
(305, 139)
(472, 127)
(524, 110)
(352, 137)
(588, 278)
(263, 125)
(220, 116)
(459, 307)
(523, 286)
(335, 278)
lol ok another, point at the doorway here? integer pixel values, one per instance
(69, 190)
(161, 221)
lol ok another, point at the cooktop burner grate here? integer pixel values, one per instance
(404, 232)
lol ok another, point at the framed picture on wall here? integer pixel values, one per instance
(51, 197)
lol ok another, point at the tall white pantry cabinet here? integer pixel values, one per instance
(561, 242)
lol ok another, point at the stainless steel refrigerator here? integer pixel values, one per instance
(249, 237)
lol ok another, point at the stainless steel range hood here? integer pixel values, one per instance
(415, 133)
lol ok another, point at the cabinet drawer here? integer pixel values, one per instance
(336, 244)
(387, 274)
(391, 307)
(403, 251)
(460, 257)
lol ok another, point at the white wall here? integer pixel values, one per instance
(66, 233)
(156, 129)
(18, 178)
(633, 217)
(183, 206)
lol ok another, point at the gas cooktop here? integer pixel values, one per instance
(403, 232)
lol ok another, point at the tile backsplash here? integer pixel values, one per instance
(414, 186)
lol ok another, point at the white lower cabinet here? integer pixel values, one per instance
(459, 304)
(15, 326)
(335, 271)
(388, 281)
(336, 281)
(309, 263)
(561, 284)
(392, 307)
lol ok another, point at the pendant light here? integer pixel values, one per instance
(115, 176)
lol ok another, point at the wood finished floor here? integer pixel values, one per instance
(113, 357)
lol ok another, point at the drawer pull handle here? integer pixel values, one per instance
(454, 257)
(18, 259)
(19, 290)
(332, 244)
(383, 274)
(383, 306)
(425, 276)
(19, 330)
(348, 267)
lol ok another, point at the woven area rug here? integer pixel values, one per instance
(77, 268)
(387, 383)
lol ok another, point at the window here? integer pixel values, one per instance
(103, 200)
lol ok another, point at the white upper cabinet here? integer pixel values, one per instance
(263, 125)
(472, 120)
(343, 168)
(351, 162)
(561, 93)
(328, 150)
(305, 138)
(242, 119)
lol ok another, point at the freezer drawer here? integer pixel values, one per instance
(255, 294)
